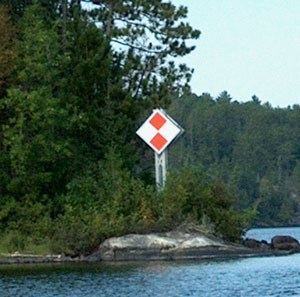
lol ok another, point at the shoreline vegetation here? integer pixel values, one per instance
(73, 173)
(181, 244)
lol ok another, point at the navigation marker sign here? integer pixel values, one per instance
(158, 131)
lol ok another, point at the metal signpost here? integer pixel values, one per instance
(158, 131)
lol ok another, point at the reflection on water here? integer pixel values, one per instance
(262, 276)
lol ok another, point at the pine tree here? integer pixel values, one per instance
(7, 37)
(146, 35)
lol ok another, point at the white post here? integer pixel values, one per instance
(161, 167)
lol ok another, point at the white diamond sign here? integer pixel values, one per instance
(159, 130)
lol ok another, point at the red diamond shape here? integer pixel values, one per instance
(157, 121)
(158, 141)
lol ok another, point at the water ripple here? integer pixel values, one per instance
(253, 277)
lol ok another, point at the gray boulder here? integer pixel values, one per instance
(155, 246)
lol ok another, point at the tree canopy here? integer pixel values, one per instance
(76, 79)
(251, 147)
(74, 84)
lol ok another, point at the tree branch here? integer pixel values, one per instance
(140, 48)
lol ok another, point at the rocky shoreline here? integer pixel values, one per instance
(176, 245)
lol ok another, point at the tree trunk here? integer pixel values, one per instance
(64, 8)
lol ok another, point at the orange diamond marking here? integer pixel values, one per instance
(158, 141)
(157, 121)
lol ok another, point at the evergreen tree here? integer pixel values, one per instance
(34, 136)
(7, 38)
(74, 84)
(253, 148)
(146, 35)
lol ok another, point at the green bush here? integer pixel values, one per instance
(190, 196)
(106, 201)
(13, 241)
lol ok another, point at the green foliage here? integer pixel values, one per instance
(105, 201)
(191, 196)
(253, 149)
(13, 241)
(35, 150)
(7, 38)
(149, 35)
(74, 86)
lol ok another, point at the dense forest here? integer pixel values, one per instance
(251, 147)
(76, 81)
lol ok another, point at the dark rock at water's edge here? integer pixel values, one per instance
(252, 243)
(287, 243)
(278, 243)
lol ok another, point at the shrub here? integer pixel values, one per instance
(190, 196)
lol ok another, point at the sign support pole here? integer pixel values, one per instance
(158, 131)
(161, 167)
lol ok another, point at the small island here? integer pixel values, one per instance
(189, 242)
(75, 179)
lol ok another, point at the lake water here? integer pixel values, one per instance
(261, 276)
